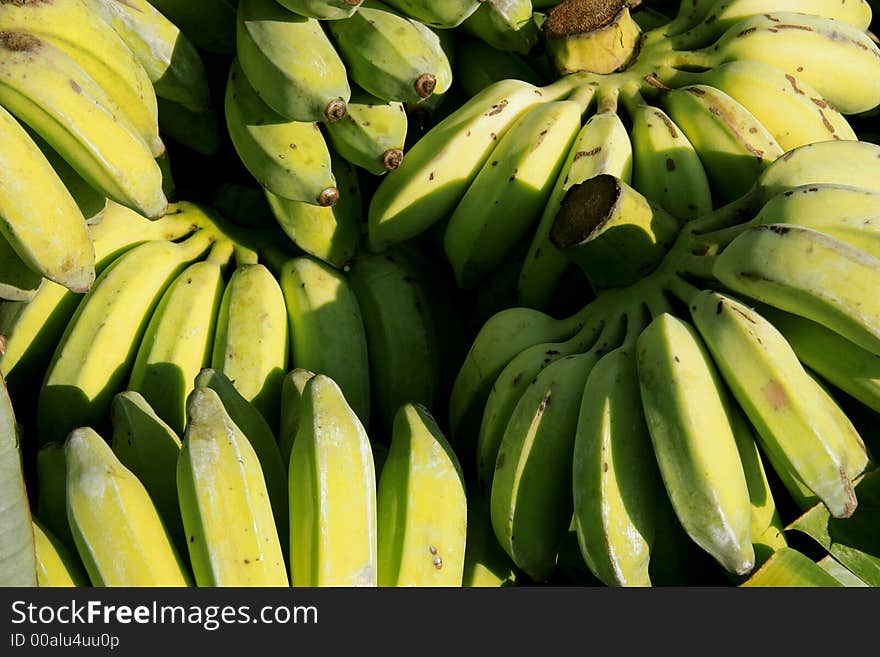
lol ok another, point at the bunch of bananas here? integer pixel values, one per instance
(689, 113)
(85, 86)
(708, 349)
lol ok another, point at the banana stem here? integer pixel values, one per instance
(681, 289)
(737, 212)
(221, 252)
(584, 94)
(689, 59)
(698, 266)
(637, 318)
(607, 99)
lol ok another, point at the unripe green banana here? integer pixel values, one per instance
(439, 168)
(289, 158)
(56, 567)
(35, 208)
(51, 480)
(836, 288)
(833, 57)
(486, 564)
(44, 87)
(732, 144)
(421, 506)
(250, 340)
(209, 24)
(510, 190)
(505, 25)
(333, 532)
(687, 412)
(437, 13)
(666, 167)
(331, 234)
(327, 10)
(200, 131)
(372, 134)
(292, 390)
(102, 493)
(391, 56)
(327, 333)
(178, 341)
(494, 65)
(94, 357)
(148, 447)
(252, 423)
(614, 477)
(232, 538)
(793, 423)
(290, 62)
(603, 146)
(18, 282)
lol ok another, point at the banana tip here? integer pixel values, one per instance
(329, 197)
(336, 110)
(425, 84)
(392, 159)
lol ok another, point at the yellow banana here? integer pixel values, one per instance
(328, 10)
(56, 567)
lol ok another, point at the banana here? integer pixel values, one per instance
(372, 134)
(331, 234)
(41, 227)
(723, 14)
(289, 158)
(847, 213)
(102, 493)
(531, 496)
(18, 282)
(421, 506)
(327, 333)
(847, 366)
(766, 263)
(292, 390)
(33, 329)
(793, 423)
(689, 422)
(93, 358)
(793, 112)
(391, 56)
(48, 90)
(732, 144)
(200, 131)
(832, 56)
(486, 564)
(75, 28)
(494, 65)
(439, 168)
(250, 341)
(232, 538)
(505, 24)
(510, 191)
(178, 341)
(401, 343)
(666, 168)
(327, 10)
(603, 146)
(51, 480)
(437, 13)
(614, 478)
(209, 24)
(56, 567)
(149, 447)
(254, 426)
(333, 516)
(169, 58)
(290, 62)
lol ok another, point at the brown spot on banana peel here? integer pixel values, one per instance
(669, 124)
(775, 394)
(589, 153)
(497, 109)
(730, 123)
(2, 345)
(793, 82)
(19, 41)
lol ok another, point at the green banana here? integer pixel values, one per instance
(794, 425)
(505, 25)
(372, 134)
(102, 493)
(289, 158)
(18, 282)
(290, 62)
(232, 538)
(35, 208)
(733, 145)
(292, 389)
(510, 190)
(789, 568)
(333, 517)
(494, 65)
(421, 506)
(94, 357)
(250, 343)
(48, 90)
(603, 146)
(486, 564)
(209, 24)
(327, 10)
(390, 55)
(331, 234)
(50, 509)
(401, 342)
(56, 567)
(437, 13)
(200, 131)
(689, 421)
(327, 334)
(149, 447)
(178, 341)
